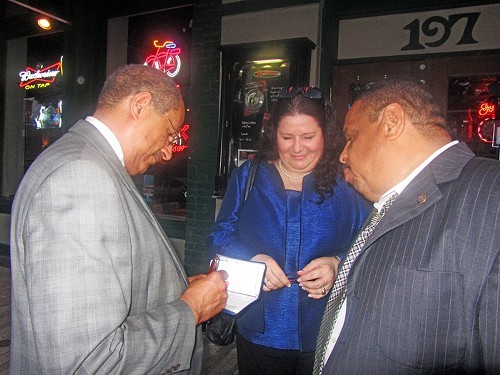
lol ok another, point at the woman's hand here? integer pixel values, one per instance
(274, 278)
(318, 276)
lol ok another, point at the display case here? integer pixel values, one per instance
(252, 76)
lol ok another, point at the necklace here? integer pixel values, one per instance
(292, 177)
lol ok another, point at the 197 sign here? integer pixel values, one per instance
(430, 28)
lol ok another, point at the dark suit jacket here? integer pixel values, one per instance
(95, 281)
(423, 296)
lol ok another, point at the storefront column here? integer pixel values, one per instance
(205, 82)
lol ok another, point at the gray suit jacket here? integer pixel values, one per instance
(95, 280)
(423, 296)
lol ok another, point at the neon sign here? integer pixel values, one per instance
(166, 58)
(184, 137)
(39, 78)
(485, 109)
(486, 130)
(267, 73)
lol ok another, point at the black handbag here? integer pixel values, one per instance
(221, 329)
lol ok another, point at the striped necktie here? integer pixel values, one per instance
(337, 295)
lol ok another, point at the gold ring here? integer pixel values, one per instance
(323, 290)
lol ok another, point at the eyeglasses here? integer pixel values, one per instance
(177, 136)
(309, 92)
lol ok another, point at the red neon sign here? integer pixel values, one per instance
(481, 130)
(184, 137)
(46, 75)
(166, 58)
(486, 109)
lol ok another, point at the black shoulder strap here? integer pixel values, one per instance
(251, 177)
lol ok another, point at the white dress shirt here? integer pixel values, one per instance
(109, 135)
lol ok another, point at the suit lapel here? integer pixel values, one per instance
(90, 132)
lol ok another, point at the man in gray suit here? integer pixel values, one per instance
(96, 284)
(423, 294)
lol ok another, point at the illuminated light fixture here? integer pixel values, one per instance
(40, 11)
(269, 61)
(267, 66)
(283, 65)
(44, 23)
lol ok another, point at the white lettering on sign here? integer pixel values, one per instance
(46, 75)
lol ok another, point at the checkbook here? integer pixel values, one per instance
(244, 281)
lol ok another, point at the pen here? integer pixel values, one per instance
(214, 264)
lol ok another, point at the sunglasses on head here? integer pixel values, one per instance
(309, 92)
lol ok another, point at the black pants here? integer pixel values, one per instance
(256, 359)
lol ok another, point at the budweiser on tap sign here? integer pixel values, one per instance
(42, 77)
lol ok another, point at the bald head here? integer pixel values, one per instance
(130, 80)
(144, 109)
(390, 131)
(418, 103)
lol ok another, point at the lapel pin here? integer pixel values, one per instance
(422, 198)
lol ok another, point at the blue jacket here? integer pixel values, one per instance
(293, 229)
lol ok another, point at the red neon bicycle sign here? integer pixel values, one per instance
(166, 58)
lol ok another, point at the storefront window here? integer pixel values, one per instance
(42, 81)
(253, 75)
(474, 111)
(163, 40)
(257, 85)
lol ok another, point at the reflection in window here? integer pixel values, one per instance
(163, 186)
(473, 110)
(163, 40)
(43, 102)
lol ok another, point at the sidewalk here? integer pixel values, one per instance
(4, 314)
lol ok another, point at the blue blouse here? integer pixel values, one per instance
(293, 229)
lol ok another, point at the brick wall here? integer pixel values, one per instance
(205, 79)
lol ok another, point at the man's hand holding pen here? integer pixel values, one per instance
(206, 295)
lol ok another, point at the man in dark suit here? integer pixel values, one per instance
(97, 287)
(423, 294)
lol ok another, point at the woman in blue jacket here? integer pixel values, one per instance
(299, 218)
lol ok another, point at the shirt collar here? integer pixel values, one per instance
(109, 136)
(403, 184)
